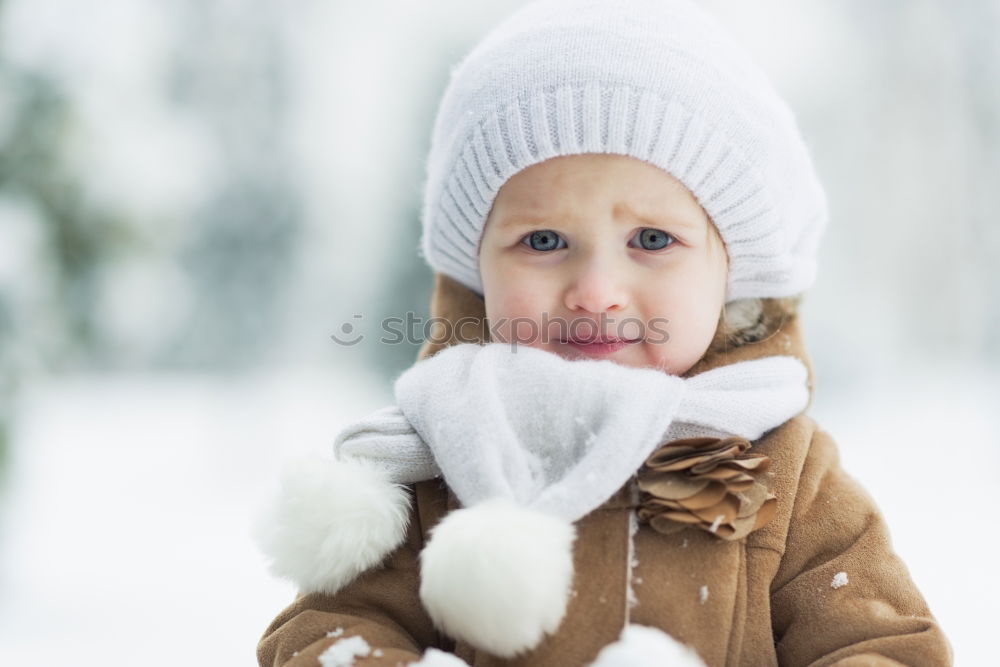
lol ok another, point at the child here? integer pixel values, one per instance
(604, 459)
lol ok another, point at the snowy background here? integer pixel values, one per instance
(194, 195)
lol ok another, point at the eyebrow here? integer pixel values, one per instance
(524, 220)
(675, 221)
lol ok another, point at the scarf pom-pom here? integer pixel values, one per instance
(331, 521)
(644, 646)
(498, 575)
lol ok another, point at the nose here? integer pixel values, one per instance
(595, 287)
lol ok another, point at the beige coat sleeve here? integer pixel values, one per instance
(841, 595)
(382, 607)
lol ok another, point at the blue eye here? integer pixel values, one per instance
(653, 239)
(544, 240)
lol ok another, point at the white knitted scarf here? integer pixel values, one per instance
(556, 435)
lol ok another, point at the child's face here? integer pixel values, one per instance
(598, 246)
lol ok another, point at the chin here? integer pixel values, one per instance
(654, 360)
(636, 355)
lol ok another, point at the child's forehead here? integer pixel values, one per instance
(589, 169)
(629, 188)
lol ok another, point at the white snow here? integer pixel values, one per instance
(703, 594)
(126, 513)
(335, 633)
(892, 431)
(839, 579)
(633, 528)
(343, 652)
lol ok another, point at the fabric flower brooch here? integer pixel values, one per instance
(707, 483)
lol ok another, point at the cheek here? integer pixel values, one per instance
(508, 298)
(688, 306)
(514, 309)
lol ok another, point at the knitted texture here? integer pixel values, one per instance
(556, 435)
(658, 80)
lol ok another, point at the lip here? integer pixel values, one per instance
(600, 347)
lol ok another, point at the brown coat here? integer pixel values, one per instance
(767, 598)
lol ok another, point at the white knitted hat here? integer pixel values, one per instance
(658, 80)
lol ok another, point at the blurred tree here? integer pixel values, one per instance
(230, 75)
(79, 235)
(975, 27)
(410, 287)
(56, 330)
(409, 291)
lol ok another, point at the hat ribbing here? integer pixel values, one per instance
(658, 80)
